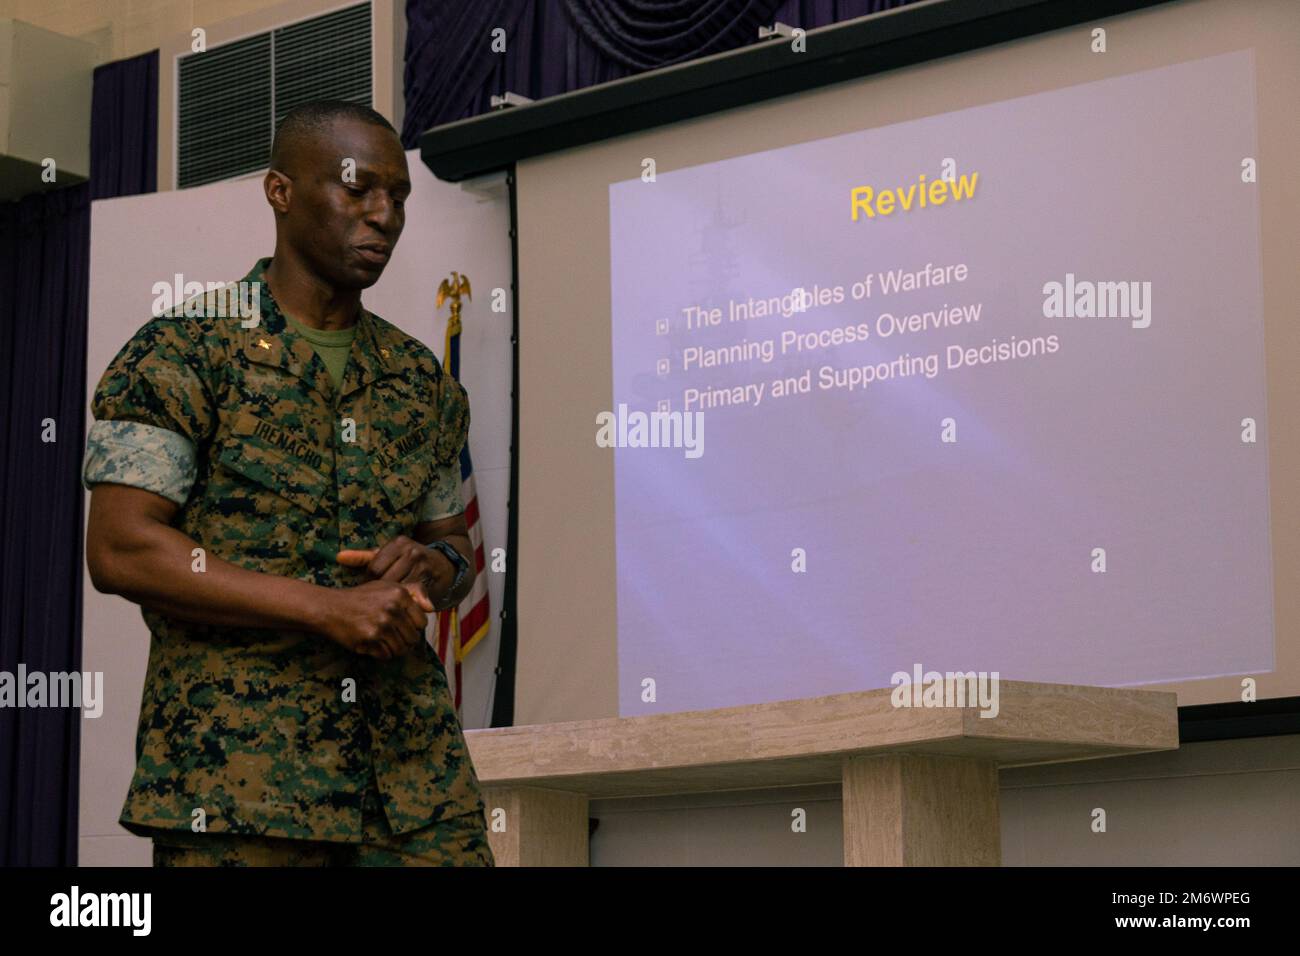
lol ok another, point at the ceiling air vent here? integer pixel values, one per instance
(232, 96)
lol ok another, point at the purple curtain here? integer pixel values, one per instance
(44, 288)
(555, 46)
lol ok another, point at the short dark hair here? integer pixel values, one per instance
(303, 123)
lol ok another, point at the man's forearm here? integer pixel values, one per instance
(154, 570)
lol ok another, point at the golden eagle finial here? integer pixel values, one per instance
(453, 288)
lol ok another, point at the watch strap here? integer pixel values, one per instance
(456, 558)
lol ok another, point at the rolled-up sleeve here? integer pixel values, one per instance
(142, 456)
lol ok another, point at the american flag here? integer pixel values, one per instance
(462, 627)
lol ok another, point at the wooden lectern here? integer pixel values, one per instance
(920, 785)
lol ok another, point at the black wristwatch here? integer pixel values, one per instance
(457, 559)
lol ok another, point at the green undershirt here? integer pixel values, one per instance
(332, 345)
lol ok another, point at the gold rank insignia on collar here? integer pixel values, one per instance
(384, 352)
(263, 344)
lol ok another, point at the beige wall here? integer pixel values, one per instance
(126, 28)
(43, 74)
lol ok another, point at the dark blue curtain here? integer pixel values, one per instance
(43, 282)
(124, 128)
(554, 46)
(44, 287)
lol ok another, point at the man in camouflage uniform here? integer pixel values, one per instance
(272, 487)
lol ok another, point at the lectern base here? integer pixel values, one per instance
(920, 810)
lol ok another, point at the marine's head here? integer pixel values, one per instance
(338, 182)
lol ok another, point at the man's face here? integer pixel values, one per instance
(347, 229)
